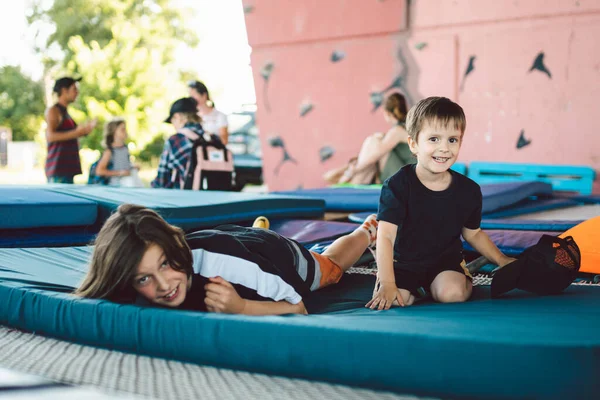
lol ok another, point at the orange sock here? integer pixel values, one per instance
(370, 228)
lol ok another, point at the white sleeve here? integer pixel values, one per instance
(221, 120)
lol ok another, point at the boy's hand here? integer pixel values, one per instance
(221, 297)
(384, 296)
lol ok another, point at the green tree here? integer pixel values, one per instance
(21, 103)
(124, 50)
(162, 26)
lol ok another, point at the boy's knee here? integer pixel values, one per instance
(407, 298)
(452, 294)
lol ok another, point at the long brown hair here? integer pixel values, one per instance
(120, 246)
(109, 131)
(395, 104)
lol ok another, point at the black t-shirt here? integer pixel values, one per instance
(429, 222)
(194, 297)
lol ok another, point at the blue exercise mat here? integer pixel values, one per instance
(341, 198)
(529, 224)
(512, 243)
(591, 199)
(514, 347)
(308, 232)
(529, 206)
(501, 195)
(48, 237)
(495, 196)
(199, 209)
(22, 208)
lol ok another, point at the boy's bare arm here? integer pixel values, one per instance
(253, 307)
(387, 292)
(484, 245)
(386, 236)
(222, 297)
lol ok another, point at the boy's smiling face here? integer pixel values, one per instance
(157, 281)
(436, 147)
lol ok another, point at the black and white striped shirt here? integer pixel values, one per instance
(259, 263)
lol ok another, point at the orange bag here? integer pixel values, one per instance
(587, 237)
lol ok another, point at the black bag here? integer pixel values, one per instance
(547, 267)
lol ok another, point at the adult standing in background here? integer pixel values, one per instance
(213, 120)
(62, 162)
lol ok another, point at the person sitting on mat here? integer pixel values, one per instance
(138, 256)
(424, 209)
(380, 155)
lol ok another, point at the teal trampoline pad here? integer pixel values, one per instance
(519, 346)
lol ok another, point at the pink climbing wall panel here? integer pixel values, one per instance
(284, 22)
(527, 74)
(504, 98)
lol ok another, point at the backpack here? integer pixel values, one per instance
(94, 179)
(547, 267)
(211, 164)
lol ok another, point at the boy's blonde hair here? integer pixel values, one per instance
(120, 247)
(190, 117)
(439, 111)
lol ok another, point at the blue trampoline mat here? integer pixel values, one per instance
(495, 196)
(514, 347)
(194, 209)
(532, 205)
(22, 207)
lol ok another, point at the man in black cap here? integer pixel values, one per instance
(62, 162)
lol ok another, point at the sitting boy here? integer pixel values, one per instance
(424, 209)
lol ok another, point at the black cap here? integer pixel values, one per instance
(64, 83)
(199, 86)
(547, 267)
(183, 105)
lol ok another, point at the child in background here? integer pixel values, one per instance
(115, 162)
(424, 209)
(229, 269)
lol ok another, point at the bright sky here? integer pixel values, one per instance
(222, 58)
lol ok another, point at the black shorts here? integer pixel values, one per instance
(418, 281)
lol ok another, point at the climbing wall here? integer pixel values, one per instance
(526, 72)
